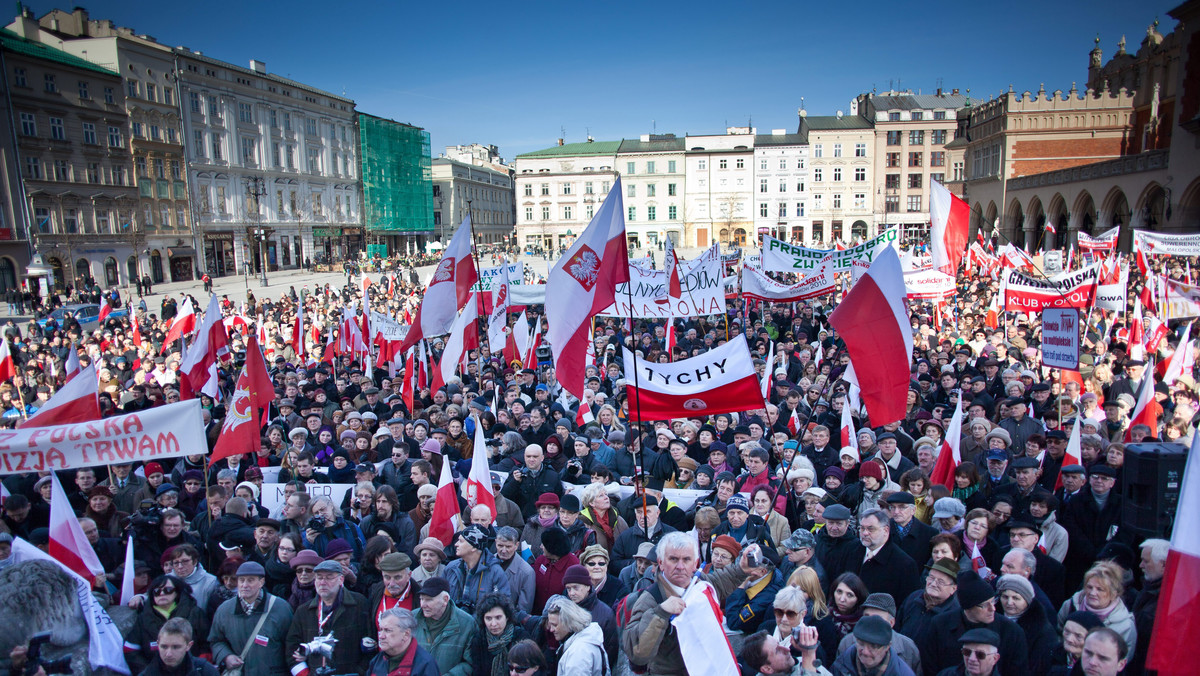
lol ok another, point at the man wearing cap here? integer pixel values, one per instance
(1018, 425)
(939, 646)
(233, 637)
(444, 629)
(836, 546)
(1028, 560)
(476, 572)
(335, 609)
(882, 565)
(577, 585)
(395, 590)
(939, 596)
(890, 456)
(909, 533)
(800, 549)
(1052, 460)
(646, 528)
(980, 654)
(872, 652)
(1092, 518)
(640, 573)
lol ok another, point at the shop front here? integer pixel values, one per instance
(219, 258)
(182, 263)
(355, 241)
(328, 246)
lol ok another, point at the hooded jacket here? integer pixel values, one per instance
(468, 586)
(583, 653)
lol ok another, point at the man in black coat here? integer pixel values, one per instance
(918, 611)
(1091, 519)
(1048, 573)
(525, 484)
(836, 545)
(1154, 560)
(909, 533)
(334, 609)
(939, 647)
(882, 565)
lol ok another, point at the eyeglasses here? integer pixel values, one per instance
(791, 615)
(980, 655)
(596, 564)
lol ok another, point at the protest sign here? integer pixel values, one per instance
(488, 276)
(386, 327)
(273, 496)
(1060, 338)
(928, 284)
(1112, 289)
(702, 292)
(1023, 293)
(758, 286)
(162, 432)
(779, 256)
(1163, 244)
(1105, 241)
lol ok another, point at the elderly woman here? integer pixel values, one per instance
(982, 551)
(362, 504)
(580, 640)
(761, 505)
(1103, 586)
(600, 515)
(1018, 604)
(497, 631)
(791, 609)
(1070, 649)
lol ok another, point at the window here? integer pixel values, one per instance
(132, 89)
(762, 209)
(71, 220)
(102, 222)
(89, 133)
(914, 203)
(837, 174)
(93, 172)
(817, 178)
(57, 131)
(892, 160)
(591, 211)
(918, 115)
(245, 112)
(783, 163)
(800, 163)
(545, 188)
(937, 158)
(154, 135)
(139, 165)
(529, 190)
(837, 150)
(566, 213)
(672, 213)
(651, 189)
(762, 164)
(916, 137)
(783, 185)
(937, 137)
(51, 86)
(291, 156)
(651, 213)
(33, 168)
(916, 159)
(83, 90)
(529, 213)
(818, 202)
(545, 213)
(194, 99)
(199, 143)
(670, 190)
(216, 146)
(860, 173)
(164, 216)
(724, 164)
(914, 181)
(782, 210)
(837, 201)
(214, 110)
(566, 188)
(249, 153)
(109, 95)
(314, 160)
(273, 118)
(892, 182)
(169, 99)
(799, 186)
(28, 124)
(893, 138)
(891, 204)
(670, 166)
(588, 189)
(632, 214)
(818, 150)
(136, 129)
(894, 116)
(114, 137)
(118, 176)
(19, 78)
(939, 114)
(310, 126)
(179, 220)
(741, 163)
(702, 165)
(800, 209)
(172, 135)
(631, 190)
(318, 206)
(940, 178)
(762, 185)
(958, 171)
(151, 92)
(287, 121)
(650, 169)
(62, 170)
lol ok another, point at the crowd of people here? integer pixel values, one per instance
(827, 557)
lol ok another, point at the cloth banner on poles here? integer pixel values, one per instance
(1113, 287)
(701, 294)
(387, 328)
(1182, 300)
(928, 284)
(1076, 289)
(1162, 244)
(721, 380)
(779, 256)
(758, 286)
(169, 431)
(1105, 241)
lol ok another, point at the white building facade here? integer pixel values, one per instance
(718, 193)
(483, 191)
(558, 191)
(842, 178)
(781, 186)
(652, 176)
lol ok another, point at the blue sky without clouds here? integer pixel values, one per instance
(516, 73)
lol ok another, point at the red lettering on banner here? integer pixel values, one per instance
(126, 448)
(168, 441)
(54, 455)
(4, 437)
(33, 437)
(103, 452)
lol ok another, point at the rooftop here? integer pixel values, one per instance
(575, 150)
(19, 45)
(780, 139)
(919, 101)
(833, 122)
(657, 143)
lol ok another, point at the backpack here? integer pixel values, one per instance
(623, 611)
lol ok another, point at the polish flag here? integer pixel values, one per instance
(1156, 332)
(584, 415)
(1137, 335)
(479, 481)
(874, 324)
(135, 332)
(211, 344)
(1147, 294)
(1073, 454)
(535, 341)
(950, 454)
(721, 380)
(950, 219)
(498, 317)
(1177, 621)
(516, 344)
(448, 289)
(298, 334)
(992, 319)
(73, 367)
(77, 401)
(671, 265)
(1140, 255)
(464, 337)
(768, 371)
(793, 423)
(1147, 410)
(68, 544)
(849, 438)
(444, 522)
(183, 324)
(696, 627)
(127, 579)
(8, 367)
(105, 309)
(584, 282)
(241, 432)
(670, 340)
(1050, 227)
(1183, 358)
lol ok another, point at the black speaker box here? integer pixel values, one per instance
(1151, 482)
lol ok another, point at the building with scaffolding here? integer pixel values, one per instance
(397, 184)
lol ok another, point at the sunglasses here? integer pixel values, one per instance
(164, 591)
(596, 564)
(979, 654)
(519, 668)
(791, 615)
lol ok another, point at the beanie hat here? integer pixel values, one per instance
(152, 468)
(556, 542)
(972, 590)
(999, 433)
(835, 471)
(738, 501)
(1018, 584)
(867, 431)
(576, 574)
(871, 469)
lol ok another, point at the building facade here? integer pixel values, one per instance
(397, 184)
(558, 190)
(652, 175)
(72, 148)
(273, 167)
(841, 149)
(483, 191)
(781, 182)
(718, 196)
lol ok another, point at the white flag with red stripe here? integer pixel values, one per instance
(702, 640)
(584, 281)
(68, 544)
(105, 309)
(448, 290)
(1073, 453)
(183, 324)
(1177, 620)
(950, 455)
(1147, 410)
(950, 219)
(129, 574)
(77, 401)
(849, 438)
(445, 521)
(464, 337)
(479, 481)
(769, 370)
(721, 380)
(73, 366)
(1183, 357)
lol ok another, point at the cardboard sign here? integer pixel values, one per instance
(1060, 338)
(273, 496)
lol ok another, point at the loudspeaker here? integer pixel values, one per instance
(1151, 482)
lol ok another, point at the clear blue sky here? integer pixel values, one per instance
(516, 73)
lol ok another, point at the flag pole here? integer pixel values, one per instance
(636, 395)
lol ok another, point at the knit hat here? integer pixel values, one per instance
(193, 475)
(834, 471)
(250, 485)
(336, 547)
(999, 433)
(849, 451)
(867, 431)
(738, 501)
(1085, 618)
(556, 542)
(871, 469)
(973, 590)
(163, 489)
(800, 473)
(576, 574)
(1018, 584)
(426, 491)
(881, 601)
(687, 463)
(152, 468)
(728, 544)
(100, 490)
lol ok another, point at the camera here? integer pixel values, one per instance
(147, 518)
(320, 646)
(316, 523)
(754, 558)
(34, 659)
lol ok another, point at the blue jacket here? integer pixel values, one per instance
(745, 609)
(468, 587)
(423, 663)
(846, 664)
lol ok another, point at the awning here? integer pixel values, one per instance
(181, 252)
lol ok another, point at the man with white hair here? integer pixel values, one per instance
(648, 639)
(397, 646)
(1154, 561)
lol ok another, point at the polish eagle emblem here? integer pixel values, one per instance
(584, 266)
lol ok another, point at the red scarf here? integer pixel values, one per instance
(406, 662)
(388, 602)
(601, 519)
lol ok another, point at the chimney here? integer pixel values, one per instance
(954, 92)
(939, 91)
(560, 142)
(259, 67)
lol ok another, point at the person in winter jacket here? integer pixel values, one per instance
(336, 527)
(872, 652)
(577, 585)
(234, 623)
(521, 580)
(646, 528)
(1154, 560)
(445, 630)
(525, 484)
(750, 604)
(580, 640)
(936, 598)
(175, 641)
(939, 646)
(580, 536)
(599, 515)
(183, 561)
(1018, 604)
(335, 609)
(497, 632)
(1101, 594)
(476, 572)
(743, 526)
(551, 566)
(399, 651)
(167, 597)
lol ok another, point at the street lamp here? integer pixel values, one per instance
(441, 218)
(255, 189)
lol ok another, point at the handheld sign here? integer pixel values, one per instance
(1060, 338)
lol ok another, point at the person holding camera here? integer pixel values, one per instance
(335, 610)
(327, 525)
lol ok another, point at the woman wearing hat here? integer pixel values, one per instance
(1069, 649)
(431, 559)
(154, 479)
(102, 510)
(547, 515)
(1016, 600)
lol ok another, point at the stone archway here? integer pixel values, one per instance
(1014, 217)
(1189, 208)
(1083, 214)
(1114, 211)
(1035, 214)
(1151, 210)
(1056, 214)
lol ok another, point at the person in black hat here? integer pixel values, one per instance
(836, 545)
(909, 533)
(569, 522)
(647, 527)
(872, 652)
(977, 599)
(1091, 518)
(980, 654)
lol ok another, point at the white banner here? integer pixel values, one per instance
(1113, 288)
(700, 280)
(928, 284)
(759, 286)
(1161, 244)
(488, 276)
(1183, 300)
(779, 256)
(272, 495)
(167, 431)
(1105, 241)
(386, 327)
(1075, 289)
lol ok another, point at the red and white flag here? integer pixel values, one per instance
(73, 366)
(584, 415)
(68, 544)
(794, 422)
(1137, 332)
(241, 431)
(105, 309)
(535, 341)
(950, 455)
(129, 573)
(448, 289)
(479, 481)
(517, 341)
(849, 438)
(873, 322)
(211, 345)
(721, 380)
(768, 372)
(671, 265)
(584, 283)
(497, 328)
(696, 628)
(77, 401)
(950, 219)
(444, 522)
(1182, 359)
(1177, 620)
(298, 334)
(1073, 454)
(183, 324)
(1050, 227)
(464, 337)
(8, 368)
(1147, 410)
